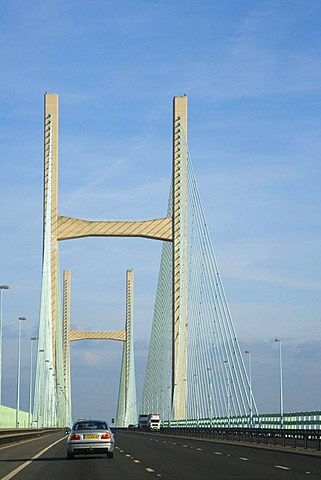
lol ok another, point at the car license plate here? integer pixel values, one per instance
(87, 437)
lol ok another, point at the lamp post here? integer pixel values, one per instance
(169, 403)
(250, 387)
(2, 287)
(21, 319)
(278, 340)
(210, 395)
(196, 402)
(48, 407)
(30, 379)
(41, 405)
(228, 391)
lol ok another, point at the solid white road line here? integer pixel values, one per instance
(24, 465)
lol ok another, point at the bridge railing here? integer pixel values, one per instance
(296, 439)
(19, 434)
(288, 421)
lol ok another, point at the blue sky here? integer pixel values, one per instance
(252, 73)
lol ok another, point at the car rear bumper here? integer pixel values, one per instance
(83, 448)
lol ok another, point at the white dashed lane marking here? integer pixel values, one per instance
(243, 458)
(135, 460)
(282, 467)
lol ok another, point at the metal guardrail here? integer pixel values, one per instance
(291, 421)
(303, 439)
(16, 435)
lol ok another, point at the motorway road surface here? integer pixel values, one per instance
(140, 456)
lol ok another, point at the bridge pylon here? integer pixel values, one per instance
(127, 395)
(50, 388)
(127, 402)
(179, 262)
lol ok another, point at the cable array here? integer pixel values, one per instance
(157, 387)
(217, 381)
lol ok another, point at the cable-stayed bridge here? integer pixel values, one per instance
(195, 368)
(214, 383)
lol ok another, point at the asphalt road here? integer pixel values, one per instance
(140, 456)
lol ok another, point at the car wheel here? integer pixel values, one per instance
(110, 454)
(70, 456)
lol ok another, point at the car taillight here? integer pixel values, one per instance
(74, 436)
(105, 436)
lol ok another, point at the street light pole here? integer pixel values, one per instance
(30, 379)
(21, 319)
(228, 392)
(210, 395)
(250, 386)
(278, 340)
(39, 421)
(2, 287)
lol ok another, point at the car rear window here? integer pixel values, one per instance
(90, 426)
